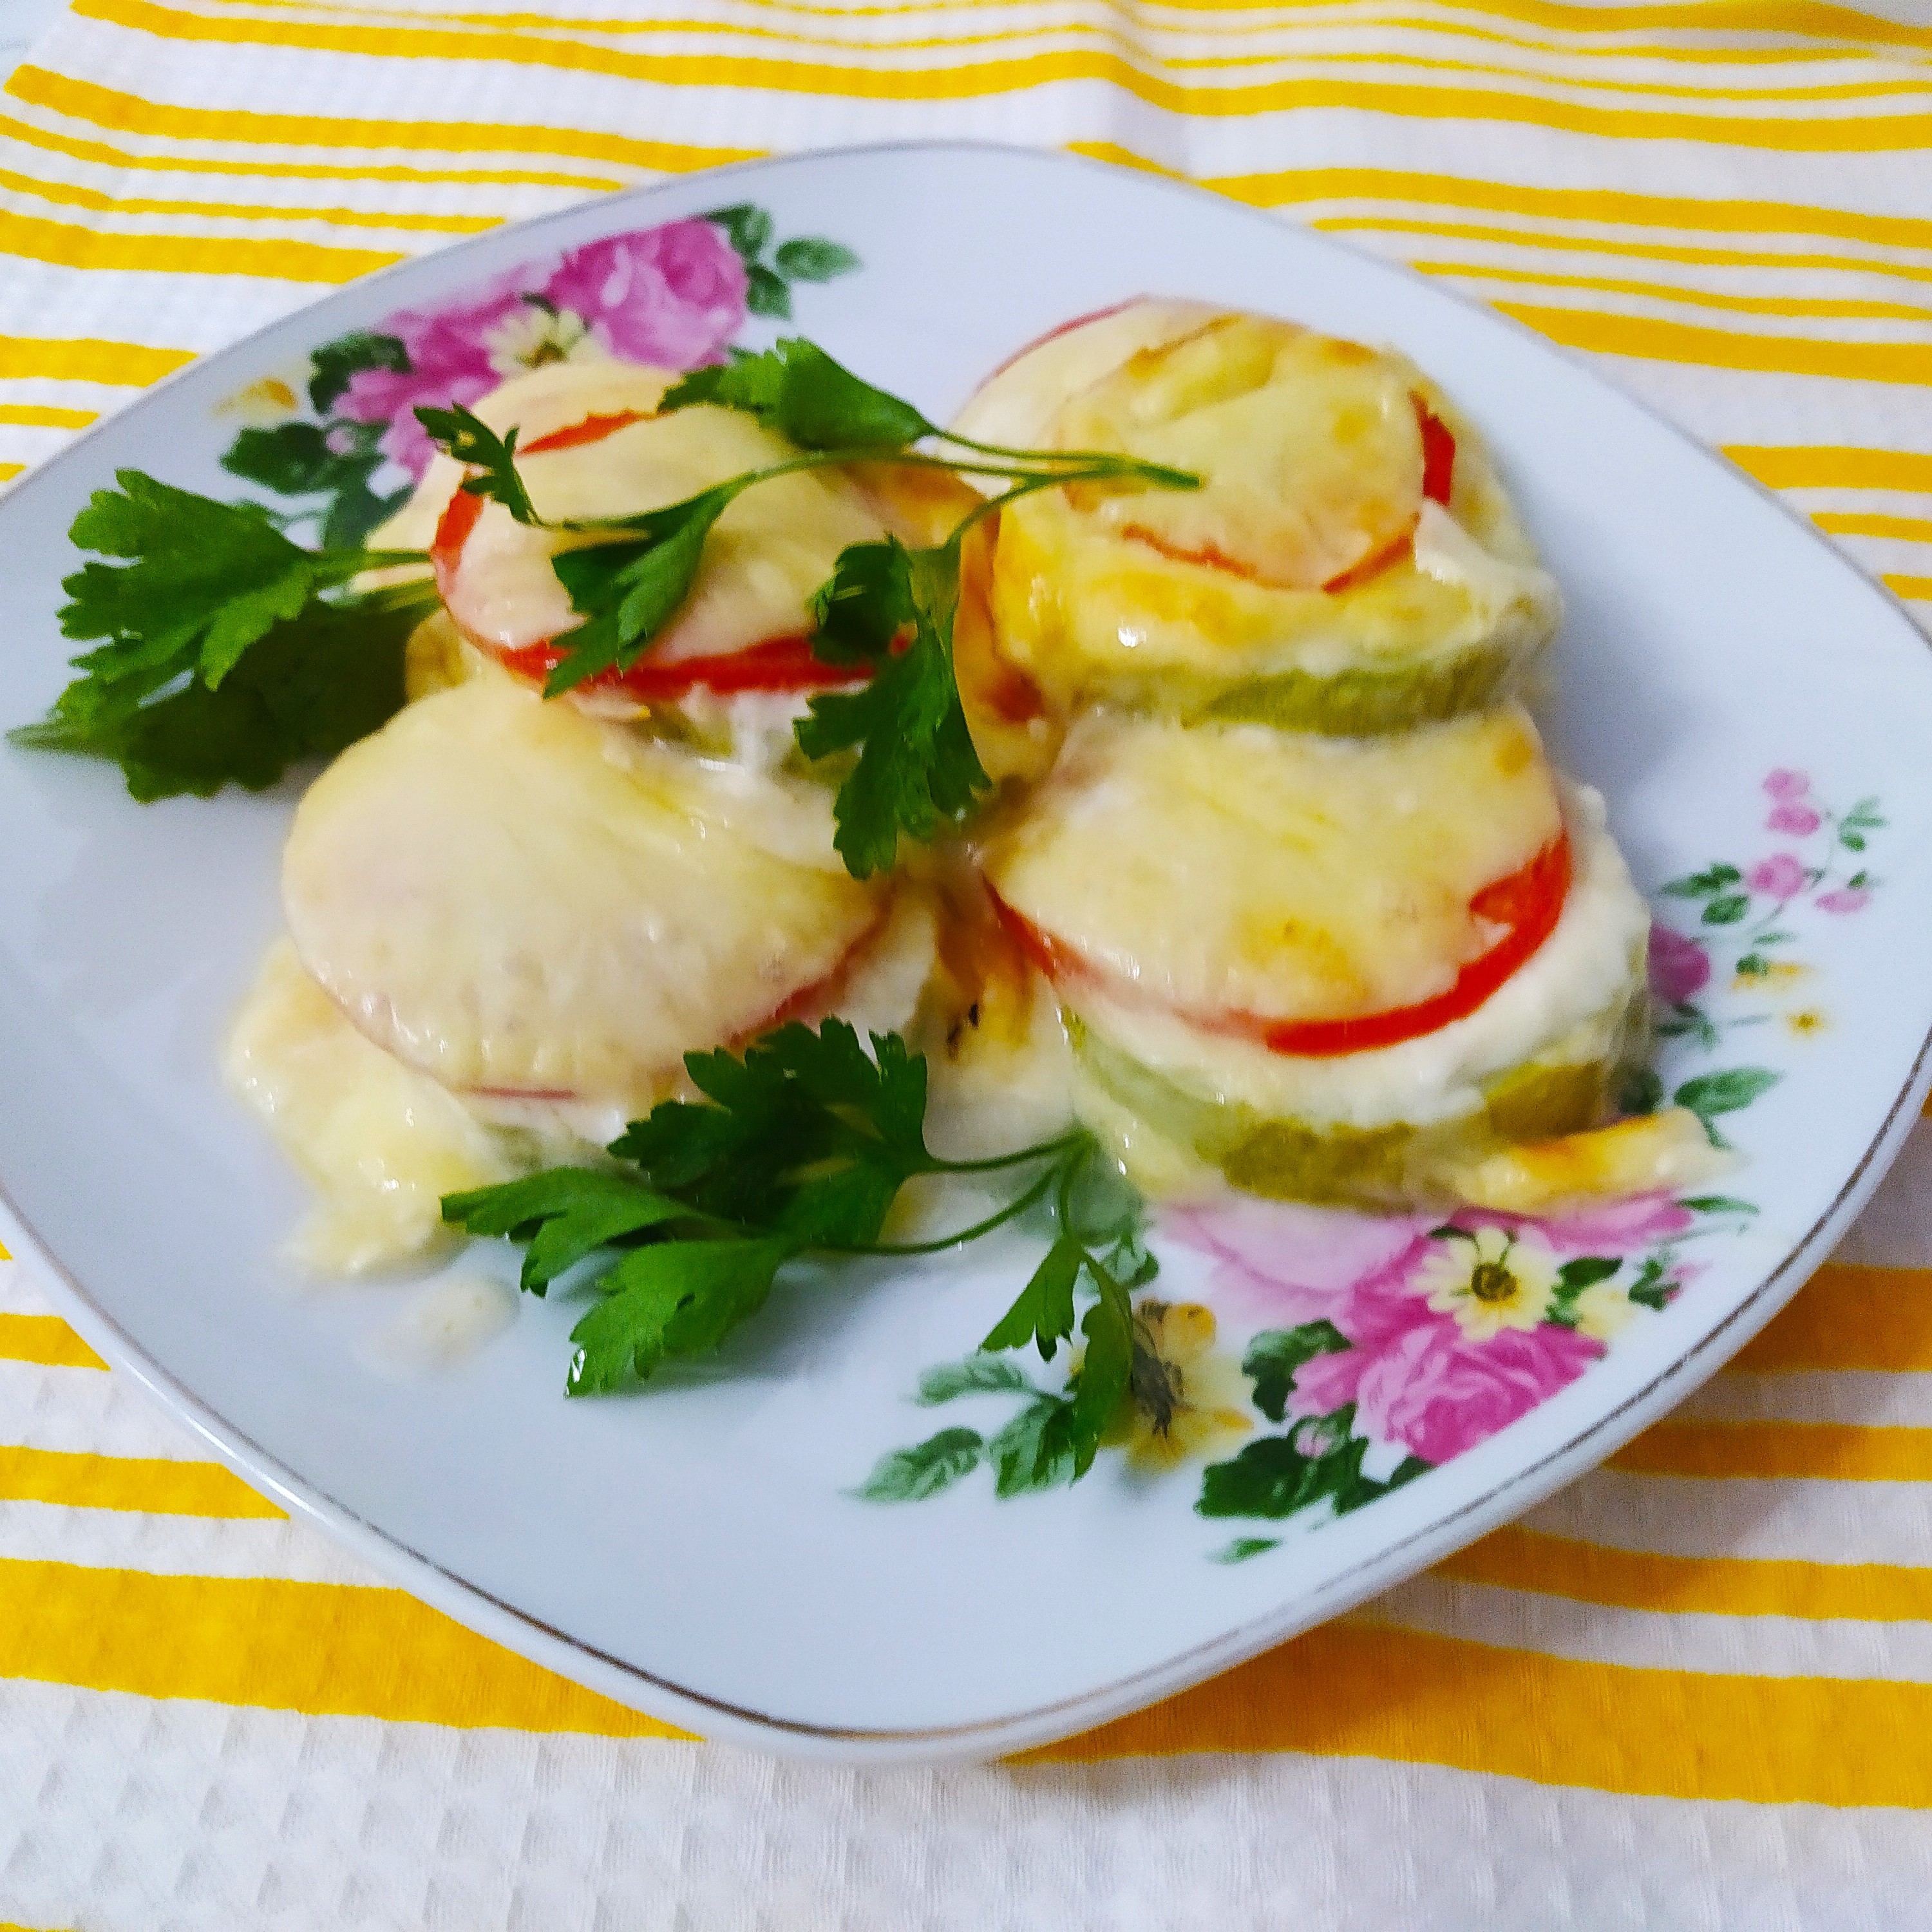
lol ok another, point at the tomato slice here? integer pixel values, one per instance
(1439, 454)
(1527, 904)
(591, 429)
(779, 664)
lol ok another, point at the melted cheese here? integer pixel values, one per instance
(380, 1143)
(1015, 407)
(514, 897)
(763, 559)
(1309, 450)
(1279, 875)
(1569, 1005)
(1658, 1153)
(1312, 453)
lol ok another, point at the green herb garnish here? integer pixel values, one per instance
(226, 658)
(801, 1146)
(917, 769)
(229, 652)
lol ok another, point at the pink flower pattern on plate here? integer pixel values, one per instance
(1780, 877)
(1678, 967)
(673, 296)
(1418, 1381)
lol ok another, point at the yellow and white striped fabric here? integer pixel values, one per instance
(1694, 1691)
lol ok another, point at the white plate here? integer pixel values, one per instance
(1735, 689)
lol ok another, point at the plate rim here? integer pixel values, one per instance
(629, 1684)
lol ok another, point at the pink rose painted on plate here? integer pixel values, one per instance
(674, 296)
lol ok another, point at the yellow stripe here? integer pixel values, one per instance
(1909, 586)
(1849, 1318)
(1387, 60)
(807, 28)
(1809, 17)
(8, 471)
(69, 247)
(1911, 530)
(1727, 1586)
(153, 1485)
(1362, 1690)
(45, 1339)
(1827, 467)
(67, 194)
(89, 360)
(1349, 1690)
(25, 133)
(1840, 1452)
(40, 416)
(798, 39)
(128, 113)
(1605, 206)
(1671, 292)
(1795, 17)
(1592, 245)
(325, 1649)
(1440, 25)
(1831, 133)
(1659, 341)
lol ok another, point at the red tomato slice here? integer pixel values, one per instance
(1527, 903)
(591, 429)
(1439, 454)
(779, 664)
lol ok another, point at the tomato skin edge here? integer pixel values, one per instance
(778, 665)
(1528, 902)
(783, 664)
(1439, 454)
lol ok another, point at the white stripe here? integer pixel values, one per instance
(1874, 1399)
(1807, 1521)
(174, 1545)
(1895, 1230)
(1754, 1646)
(266, 1819)
(81, 1410)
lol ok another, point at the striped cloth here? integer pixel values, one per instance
(1694, 1691)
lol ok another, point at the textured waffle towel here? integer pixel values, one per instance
(1694, 1691)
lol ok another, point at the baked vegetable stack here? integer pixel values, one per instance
(1324, 921)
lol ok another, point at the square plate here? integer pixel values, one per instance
(1756, 713)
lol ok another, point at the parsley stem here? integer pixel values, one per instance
(1099, 466)
(1039, 1151)
(354, 560)
(1011, 1211)
(417, 590)
(1162, 473)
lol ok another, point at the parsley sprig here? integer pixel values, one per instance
(801, 1145)
(230, 651)
(917, 769)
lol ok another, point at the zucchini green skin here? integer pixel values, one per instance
(1395, 1166)
(1362, 703)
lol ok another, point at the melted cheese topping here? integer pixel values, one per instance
(763, 558)
(1568, 1005)
(1309, 450)
(1015, 405)
(1312, 452)
(514, 897)
(1279, 875)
